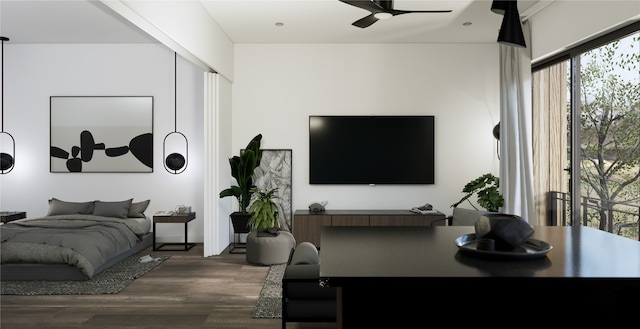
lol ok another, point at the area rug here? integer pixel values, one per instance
(111, 281)
(269, 305)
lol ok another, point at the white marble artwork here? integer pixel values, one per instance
(275, 171)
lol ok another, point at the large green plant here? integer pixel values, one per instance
(487, 189)
(242, 168)
(264, 210)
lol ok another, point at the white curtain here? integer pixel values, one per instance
(212, 239)
(516, 161)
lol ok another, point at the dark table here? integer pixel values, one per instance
(405, 275)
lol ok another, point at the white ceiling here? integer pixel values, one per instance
(254, 21)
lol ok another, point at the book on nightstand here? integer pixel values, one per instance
(164, 213)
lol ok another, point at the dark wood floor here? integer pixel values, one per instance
(186, 291)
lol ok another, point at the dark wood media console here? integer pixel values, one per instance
(307, 225)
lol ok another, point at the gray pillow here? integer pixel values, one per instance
(118, 209)
(137, 209)
(59, 207)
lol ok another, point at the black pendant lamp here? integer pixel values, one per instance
(511, 29)
(496, 135)
(7, 160)
(175, 163)
(499, 6)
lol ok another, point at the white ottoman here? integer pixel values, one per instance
(269, 250)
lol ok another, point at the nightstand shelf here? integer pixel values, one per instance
(175, 218)
(8, 216)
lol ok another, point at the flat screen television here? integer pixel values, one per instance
(371, 150)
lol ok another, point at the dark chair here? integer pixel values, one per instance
(303, 299)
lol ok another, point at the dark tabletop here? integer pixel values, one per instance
(357, 253)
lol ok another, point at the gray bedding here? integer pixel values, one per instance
(83, 241)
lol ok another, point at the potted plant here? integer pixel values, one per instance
(242, 168)
(487, 189)
(264, 212)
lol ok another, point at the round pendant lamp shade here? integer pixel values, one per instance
(6, 162)
(7, 142)
(175, 162)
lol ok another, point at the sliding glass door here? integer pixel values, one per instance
(587, 113)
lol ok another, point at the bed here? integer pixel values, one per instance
(74, 241)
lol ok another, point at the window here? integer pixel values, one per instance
(586, 110)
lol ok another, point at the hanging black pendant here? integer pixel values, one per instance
(175, 162)
(7, 160)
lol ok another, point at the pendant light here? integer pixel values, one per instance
(175, 163)
(7, 160)
(499, 6)
(496, 135)
(511, 29)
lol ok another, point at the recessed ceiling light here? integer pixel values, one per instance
(279, 24)
(466, 24)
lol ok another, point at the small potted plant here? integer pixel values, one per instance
(487, 189)
(242, 168)
(264, 212)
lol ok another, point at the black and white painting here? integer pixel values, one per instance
(101, 134)
(275, 171)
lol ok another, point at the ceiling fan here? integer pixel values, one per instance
(381, 9)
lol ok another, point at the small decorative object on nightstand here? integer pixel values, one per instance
(173, 218)
(8, 216)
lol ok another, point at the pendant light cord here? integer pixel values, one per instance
(3, 39)
(175, 92)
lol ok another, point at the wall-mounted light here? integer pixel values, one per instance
(511, 29)
(7, 160)
(496, 135)
(175, 162)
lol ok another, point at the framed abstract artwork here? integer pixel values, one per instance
(275, 170)
(101, 134)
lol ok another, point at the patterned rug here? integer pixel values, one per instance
(111, 281)
(269, 305)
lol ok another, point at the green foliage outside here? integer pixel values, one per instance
(610, 132)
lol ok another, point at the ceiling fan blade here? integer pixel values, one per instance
(395, 12)
(365, 21)
(366, 5)
(381, 6)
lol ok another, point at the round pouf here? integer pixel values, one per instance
(269, 250)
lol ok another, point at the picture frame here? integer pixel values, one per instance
(101, 134)
(276, 170)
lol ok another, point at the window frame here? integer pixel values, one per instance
(573, 55)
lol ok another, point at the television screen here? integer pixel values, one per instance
(371, 150)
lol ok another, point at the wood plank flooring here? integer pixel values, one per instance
(186, 291)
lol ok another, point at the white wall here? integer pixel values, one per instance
(277, 91)
(277, 87)
(33, 73)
